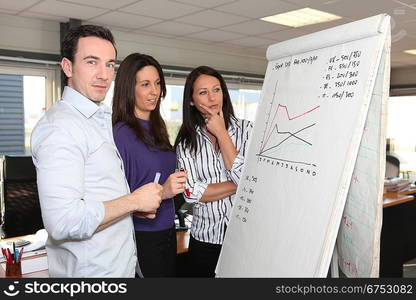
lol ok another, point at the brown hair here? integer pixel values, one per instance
(124, 101)
(191, 117)
(69, 45)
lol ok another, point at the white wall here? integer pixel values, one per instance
(403, 81)
(27, 34)
(403, 76)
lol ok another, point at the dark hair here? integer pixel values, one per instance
(69, 45)
(124, 101)
(191, 117)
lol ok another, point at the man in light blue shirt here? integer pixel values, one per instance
(85, 199)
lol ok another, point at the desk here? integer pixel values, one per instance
(182, 242)
(392, 198)
(38, 274)
(410, 191)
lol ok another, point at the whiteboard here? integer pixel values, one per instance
(302, 153)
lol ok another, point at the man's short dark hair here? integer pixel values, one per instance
(69, 45)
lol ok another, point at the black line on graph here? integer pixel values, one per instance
(291, 135)
(264, 143)
(270, 112)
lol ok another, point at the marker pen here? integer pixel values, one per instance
(187, 192)
(19, 259)
(157, 177)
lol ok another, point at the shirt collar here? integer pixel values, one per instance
(233, 125)
(82, 103)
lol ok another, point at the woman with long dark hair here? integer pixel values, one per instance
(142, 139)
(210, 145)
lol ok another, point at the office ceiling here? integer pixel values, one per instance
(230, 23)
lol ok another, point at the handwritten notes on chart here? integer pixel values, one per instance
(246, 198)
(358, 241)
(341, 76)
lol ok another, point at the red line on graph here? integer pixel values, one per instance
(295, 117)
(288, 117)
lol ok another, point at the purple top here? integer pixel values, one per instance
(141, 165)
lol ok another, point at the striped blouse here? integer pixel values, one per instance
(207, 166)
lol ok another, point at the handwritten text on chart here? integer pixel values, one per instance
(245, 201)
(347, 221)
(341, 76)
(349, 267)
(296, 62)
(309, 169)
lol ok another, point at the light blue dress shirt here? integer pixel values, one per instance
(78, 168)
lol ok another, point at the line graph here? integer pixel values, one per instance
(287, 136)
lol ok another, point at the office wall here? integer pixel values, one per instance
(403, 81)
(26, 34)
(42, 36)
(403, 76)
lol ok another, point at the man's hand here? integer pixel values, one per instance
(148, 197)
(143, 215)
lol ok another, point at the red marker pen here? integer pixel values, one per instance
(187, 192)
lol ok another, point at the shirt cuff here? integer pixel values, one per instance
(236, 169)
(197, 192)
(96, 211)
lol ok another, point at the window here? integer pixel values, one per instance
(401, 132)
(245, 102)
(171, 110)
(34, 90)
(25, 94)
(12, 138)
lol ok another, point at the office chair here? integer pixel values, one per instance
(392, 166)
(22, 213)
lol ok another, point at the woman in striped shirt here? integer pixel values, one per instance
(210, 145)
